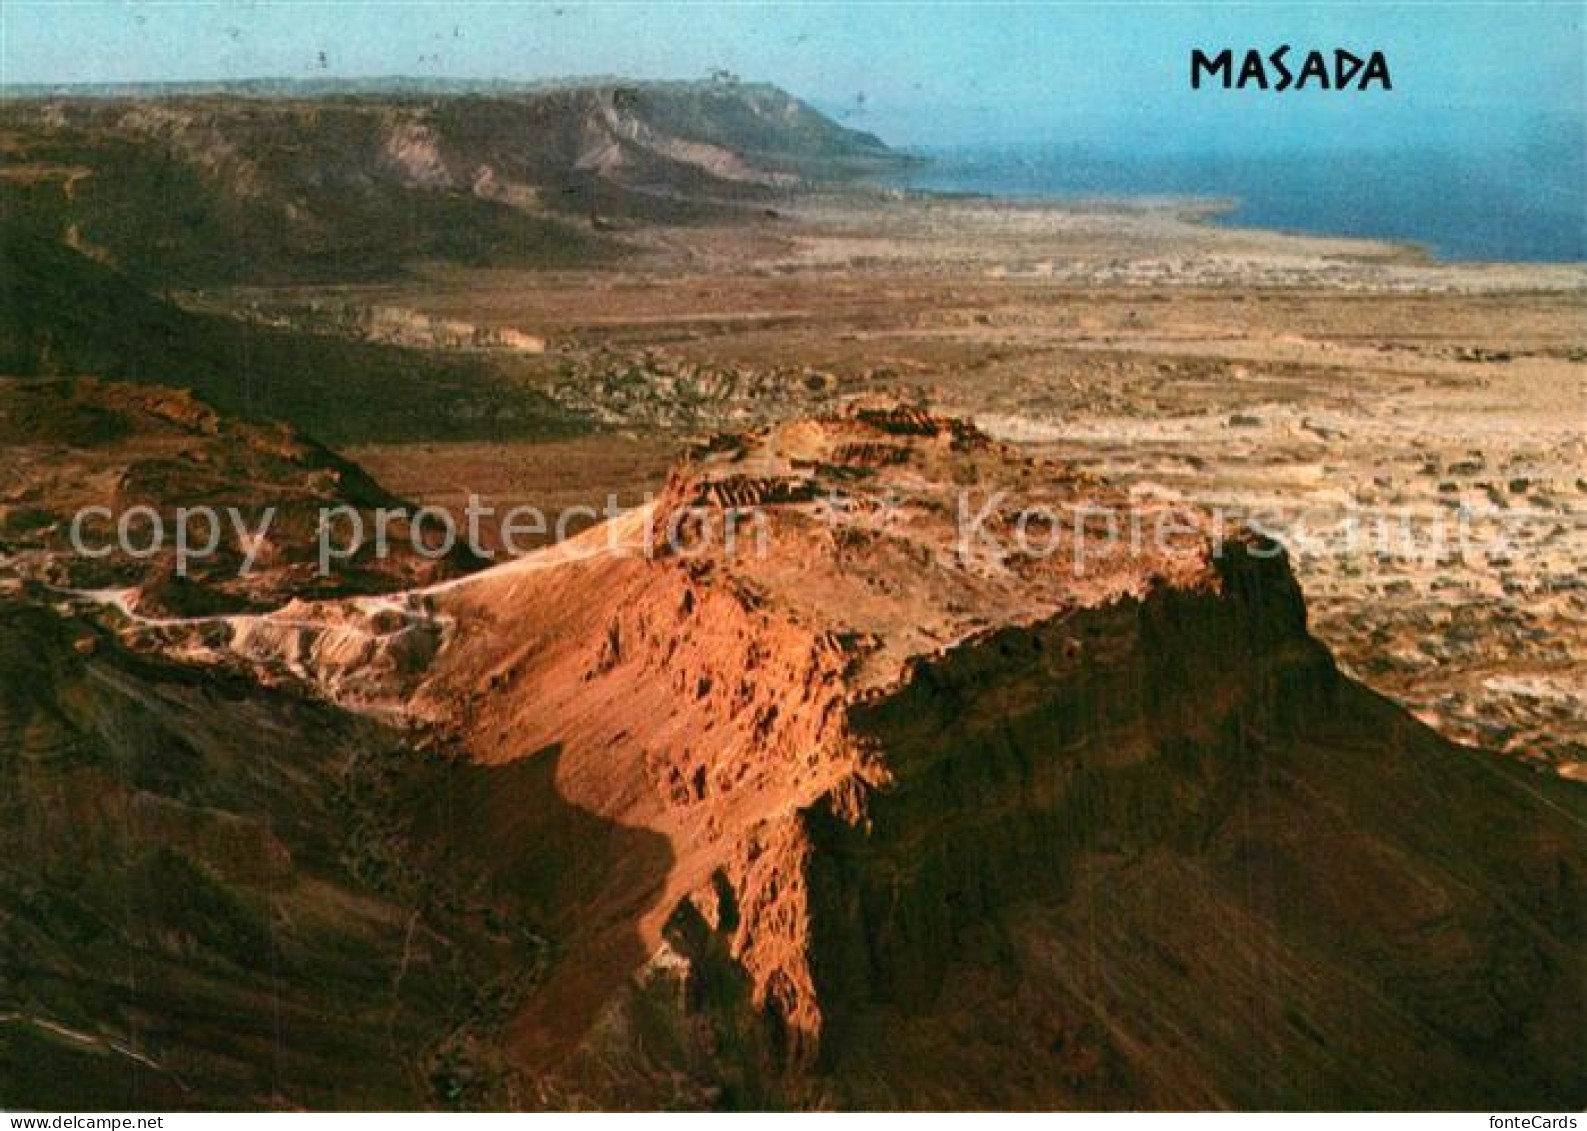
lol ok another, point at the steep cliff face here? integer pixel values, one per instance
(226, 188)
(863, 807)
(1133, 856)
(1010, 756)
(956, 822)
(1292, 902)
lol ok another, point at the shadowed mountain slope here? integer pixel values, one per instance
(937, 823)
(64, 314)
(215, 189)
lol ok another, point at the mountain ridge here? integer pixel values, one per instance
(200, 189)
(851, 813)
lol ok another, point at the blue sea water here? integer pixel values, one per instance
(1524, 203)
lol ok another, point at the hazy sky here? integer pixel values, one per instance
(912, 72)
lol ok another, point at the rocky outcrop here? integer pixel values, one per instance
(956, 779)
(86, 460)
(892, 768)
